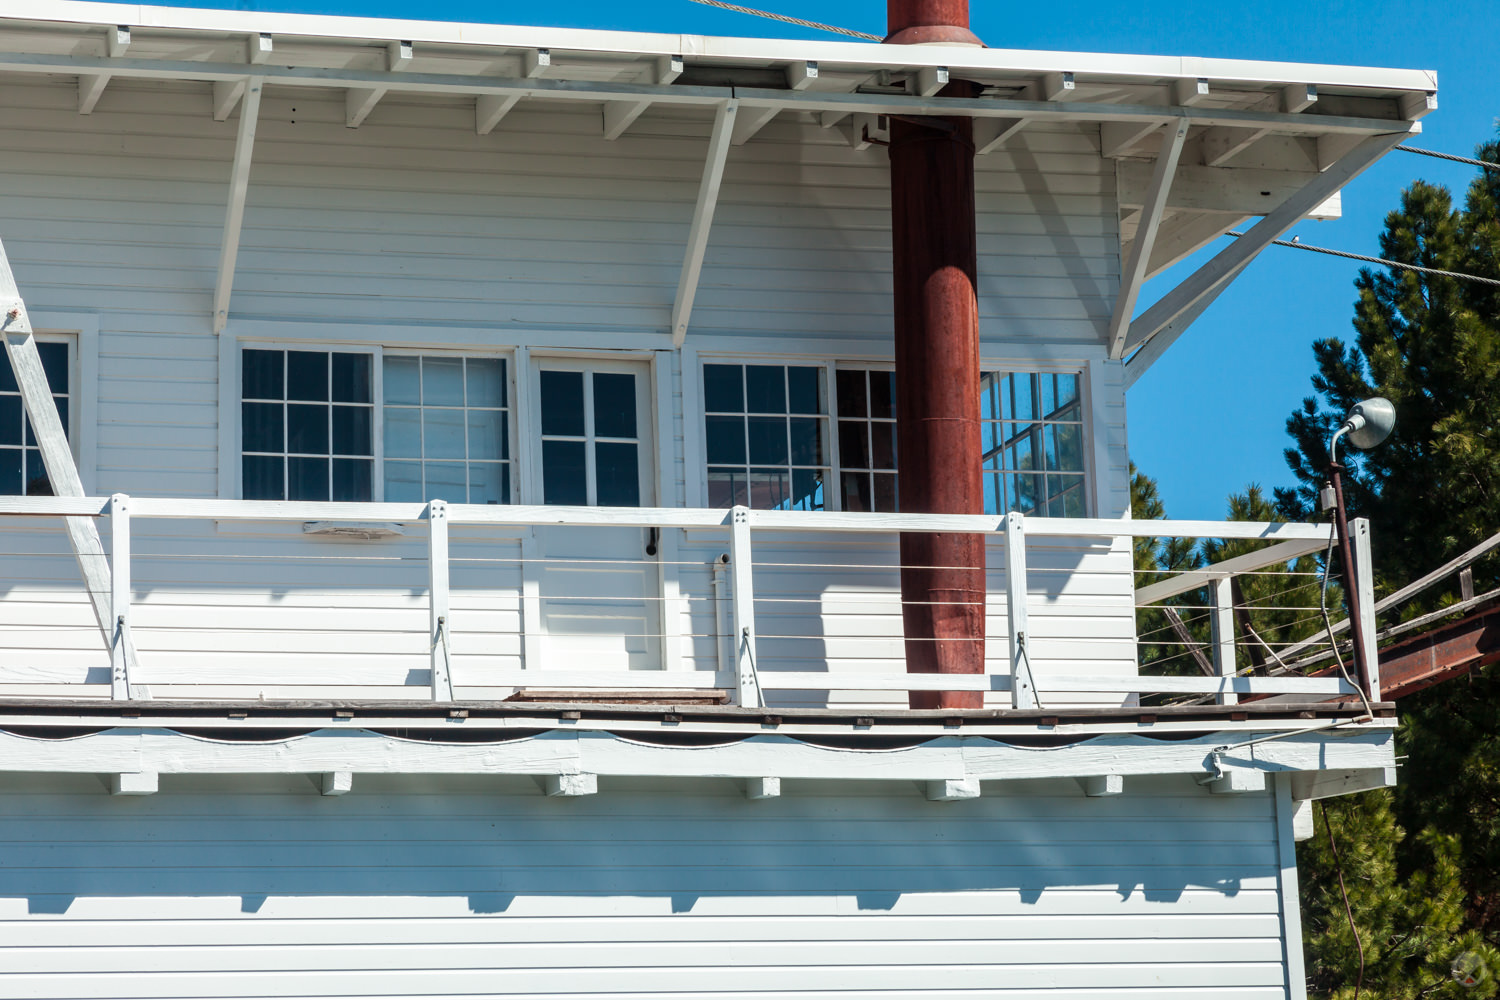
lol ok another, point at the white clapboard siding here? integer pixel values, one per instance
(259, 886)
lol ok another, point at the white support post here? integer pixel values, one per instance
(119, 596)
(742, 603)
(703, 219)
(234, 215)
(1166, 320)
(57, 456)
(1364, 575)
(1023, 684)
(1145, 236)
(1223, 634)
(437, 600)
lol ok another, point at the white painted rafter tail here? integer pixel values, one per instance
(360, 101)
(57, 456)
(620, 115)
(260, 47)
(91, 85)
(239, 185)
(703, 218)
(1159, 326)
(490, 108)
(1155, 206)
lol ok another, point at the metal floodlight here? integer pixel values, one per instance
(1370, 422)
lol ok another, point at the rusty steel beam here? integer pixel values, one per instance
(1441, 654)
(936, 320)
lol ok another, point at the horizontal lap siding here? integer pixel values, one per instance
(260, 887)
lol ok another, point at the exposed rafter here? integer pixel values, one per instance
(239, 183)
(360, 101)
(1155, 330)
(703, 218)
(91, 86)
(800, 77)
(1145, 237)
(490, 108)
(620, 115)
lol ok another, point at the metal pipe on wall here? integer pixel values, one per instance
(936, 312)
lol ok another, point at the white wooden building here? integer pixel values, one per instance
(489, 431)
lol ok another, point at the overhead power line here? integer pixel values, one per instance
(1486, 164)
(789, 20)
(1381, 260)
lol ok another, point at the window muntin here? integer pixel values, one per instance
(766, 434)
(867, 439)
(21, 468)
(446, 423)
(1032, 427)
(592, 435)
(307, 425)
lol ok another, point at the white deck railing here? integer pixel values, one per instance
(738, 667)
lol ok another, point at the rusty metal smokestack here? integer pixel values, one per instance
(937, 366)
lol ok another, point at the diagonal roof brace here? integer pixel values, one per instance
(1145, 236)
(703, 218)
(234, 215)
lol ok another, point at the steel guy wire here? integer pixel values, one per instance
(789, 20)
(1486, 164)
(1381, 260)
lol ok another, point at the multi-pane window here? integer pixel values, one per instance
(447, 429)
(592, 436)
(766, 429)
(21, 469)
(867, 439)
(307, 425)
(1032, 427)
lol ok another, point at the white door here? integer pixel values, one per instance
(599, 590)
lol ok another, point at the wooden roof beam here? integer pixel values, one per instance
(489, 109)
(234, 215)
(800, 76)
(91, 85)
(1156, 329)
(620, 115)
(360, 101)
(703, 218)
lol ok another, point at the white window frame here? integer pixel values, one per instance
(81, 425)
(1085, 370)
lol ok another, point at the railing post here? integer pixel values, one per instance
(742, 603)
(437, 590)
(1364, 577)
(119, 596)
(1222, 622)
(1022, 683)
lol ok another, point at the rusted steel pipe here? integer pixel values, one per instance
(935, 260)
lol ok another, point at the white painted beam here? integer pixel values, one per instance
(227, 94)
(1166, 320)
(931, 79)
(91, 85)
(569, 785)
(1222, 143)
(1238, 191)
(234, 215)
(1414, 106)
(259, 48)
(360, 101)
(620, 115)
(1181, 583)
(703, 218)
(118, 40)
(1323, 784)
(1100, 785)
(57, 455)
(1237, 782)
(1134, 273)
(1058, 87)
(1302, 820)
(991, 133)
(1189, 92)
(489, 109)
(800, 76)
(828, 119)
(762, 788)
(1116, 139)
(952, 789)
(1297, 97)
(133, 783)
(336, 782)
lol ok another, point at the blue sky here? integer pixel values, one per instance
(1249, 356)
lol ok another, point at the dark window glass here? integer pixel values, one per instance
(307, 375)
(353, 478)
(617, 474)
(805, 390)
(306, 429)
(351, 431)
(614, 405)
(564, 479)
(882, 446)
(55, 363)
(261, 374)
(887, 500)
(62, 413)
(726, 439)
(854, 450)
(855, 491)
(769, 489)
(807, 489)
(853, 400)
(10, 471)
(562, 403)
(883, 395)
(7, 376)
(807, 441)
(262, 475)
(261, 428)
(351, 378)
(765, 389)
(727, 488)
(723, 388)
(307, 478)
(767, 440)
(10, 420)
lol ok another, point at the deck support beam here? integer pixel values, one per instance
(234, 215)
(1145, 236)
(57, 459)
(1158, 327)
(703, 218)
